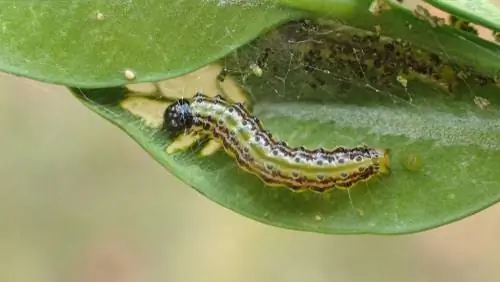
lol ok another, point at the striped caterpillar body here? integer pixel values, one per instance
(274, 162)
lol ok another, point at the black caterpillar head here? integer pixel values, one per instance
(178, 117)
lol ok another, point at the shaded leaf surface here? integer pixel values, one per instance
(399, 22)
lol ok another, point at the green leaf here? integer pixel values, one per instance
(378, 91)
(444, 146)
(91, 43)
(481, 12)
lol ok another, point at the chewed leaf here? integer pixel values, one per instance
(443, 157)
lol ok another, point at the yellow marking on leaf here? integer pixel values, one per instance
(211, 148)
(233, 92)
(148, 110)
(182, 142)
(202, 80)
(142, 88)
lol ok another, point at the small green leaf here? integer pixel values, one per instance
(91, 43)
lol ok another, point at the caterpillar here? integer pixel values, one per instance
(274, 162)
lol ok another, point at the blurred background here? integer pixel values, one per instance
(81, 202)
